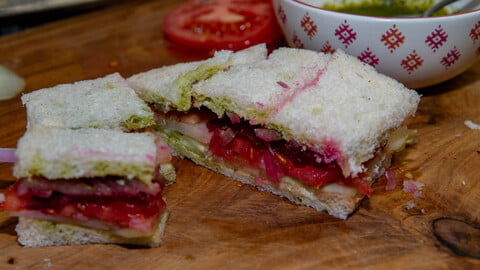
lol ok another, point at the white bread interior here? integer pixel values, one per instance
(40, 233)
(107, 102)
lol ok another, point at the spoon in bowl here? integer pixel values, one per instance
(432, 9)
(436, 7)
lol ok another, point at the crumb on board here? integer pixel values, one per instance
(47, 261)
(464, 183)
(409, 206)
(471, 125)
(412, 205)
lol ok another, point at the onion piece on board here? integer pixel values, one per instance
(391, 179)
(7, 154)
(10, 83)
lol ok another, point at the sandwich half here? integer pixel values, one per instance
(317, 129)
(81, 186)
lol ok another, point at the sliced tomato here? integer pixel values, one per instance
(242, 148)
(238, 144)
(360, 183)
(124, 207)
(222, 24)
(120, 213)
(313, 174)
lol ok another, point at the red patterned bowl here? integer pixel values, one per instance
(418, 52)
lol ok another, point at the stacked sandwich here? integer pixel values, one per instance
(317, 129)
(88, 169)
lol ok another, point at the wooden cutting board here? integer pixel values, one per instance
(216, 222)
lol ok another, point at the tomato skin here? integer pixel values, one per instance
(243, 148)
(359, 183)
(222, 24)
(313, 174)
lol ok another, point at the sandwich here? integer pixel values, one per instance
(82, 186)
(317, 129)
(89, 168)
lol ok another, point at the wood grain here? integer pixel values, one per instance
(218, 223)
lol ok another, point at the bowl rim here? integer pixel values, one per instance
(456, 15)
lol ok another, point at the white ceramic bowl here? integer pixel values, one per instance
(418, 52)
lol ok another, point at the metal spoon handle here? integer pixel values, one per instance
(436, 7)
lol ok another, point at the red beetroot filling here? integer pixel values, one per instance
(116, 203)
(246, 145)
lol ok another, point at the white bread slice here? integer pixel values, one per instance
(40, 233)
(170, 86)
(69, 154)
(106, 102)
(253, 91)
(352, 107)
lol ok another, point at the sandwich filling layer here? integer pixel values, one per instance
(253, 146)
(252, 151)
(126, 208)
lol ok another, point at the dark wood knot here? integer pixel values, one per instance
(461, 237)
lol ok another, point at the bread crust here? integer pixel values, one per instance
(40, 233)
